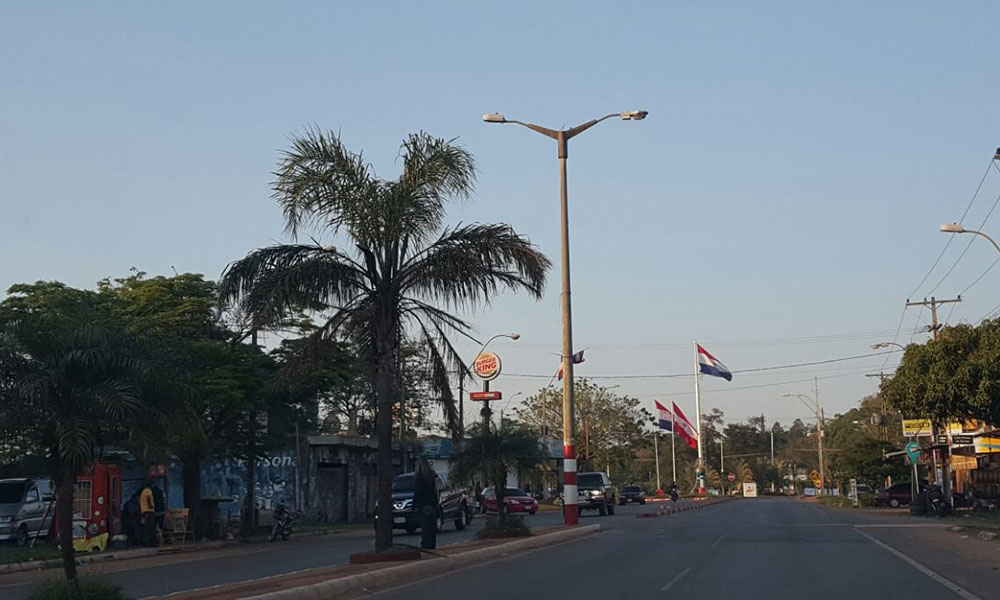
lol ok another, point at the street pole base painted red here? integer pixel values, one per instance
(571, 514)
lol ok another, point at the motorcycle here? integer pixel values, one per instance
(937, 503)
(282, 526)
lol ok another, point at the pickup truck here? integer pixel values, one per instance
(455, 504)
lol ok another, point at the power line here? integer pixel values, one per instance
(735, 372)
(971, 238)
(952, 236)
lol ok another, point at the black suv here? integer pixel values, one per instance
(632, 493)
(454, 503)
(596, 492)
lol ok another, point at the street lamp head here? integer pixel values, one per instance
(494, 118)
(952, 228)
(514, 336)
(879, 345)
(634, 115)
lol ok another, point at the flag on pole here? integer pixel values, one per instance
(684, 428)
(666, 417)
(575, 359)
(712, 366)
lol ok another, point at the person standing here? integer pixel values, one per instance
(132, 520)
(147, 508)
(425, 498)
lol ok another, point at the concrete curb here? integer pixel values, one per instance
(394, 576)
(81, 559)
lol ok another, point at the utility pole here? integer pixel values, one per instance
(933, 303)
(819, 425)
(656, 453)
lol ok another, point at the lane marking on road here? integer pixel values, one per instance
(675, 579)
(889, 525)
(951, 585)
(718, 540)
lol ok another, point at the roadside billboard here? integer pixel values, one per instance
(917, 427)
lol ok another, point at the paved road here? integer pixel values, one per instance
(165, 574)
(762, 548)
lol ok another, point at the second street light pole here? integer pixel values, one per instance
(571, 513)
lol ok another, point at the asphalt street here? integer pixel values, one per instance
(755, 548)
(161, 575)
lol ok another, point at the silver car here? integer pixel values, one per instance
(25, 510)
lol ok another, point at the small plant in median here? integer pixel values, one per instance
(86, 589)
(507, 527)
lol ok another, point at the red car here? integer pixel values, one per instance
(515, 500)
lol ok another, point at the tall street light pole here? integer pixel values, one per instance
(818, 411)
(571, 514)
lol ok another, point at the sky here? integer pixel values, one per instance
(779, 205)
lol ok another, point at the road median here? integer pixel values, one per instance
(343, 580)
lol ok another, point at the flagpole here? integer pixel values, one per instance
(656, 452)
(697, 404)
(673, 459)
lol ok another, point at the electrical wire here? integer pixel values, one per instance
(735, 372)
(913, 294)
(972, 239)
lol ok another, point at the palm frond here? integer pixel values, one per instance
(270, 281)
(119, 398)
(467, 265)
(321, 182)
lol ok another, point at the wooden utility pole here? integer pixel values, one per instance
(933, 303)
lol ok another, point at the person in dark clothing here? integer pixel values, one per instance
(131, 520)
(425, 499)
(159, 506)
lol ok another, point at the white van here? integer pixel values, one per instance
(25, 510)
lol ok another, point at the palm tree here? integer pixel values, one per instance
(397, 271)
(489, 454)
(74, 379)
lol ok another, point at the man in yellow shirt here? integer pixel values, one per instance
(148, 510)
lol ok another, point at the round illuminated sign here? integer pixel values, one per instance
(487, 366)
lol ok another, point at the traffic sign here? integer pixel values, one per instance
(731, 477)
(961, 439)
(913, 451)
(483, 396)
(942, 439)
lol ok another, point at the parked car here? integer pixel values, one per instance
(898, 494)
(515, 500)
(596, 492)
(24, 508)
(454, 502)
(632, 493)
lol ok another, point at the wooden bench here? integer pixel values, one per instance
(175, 526)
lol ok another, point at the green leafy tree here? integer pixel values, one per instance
(77, 376)
(952, 378)
(488, 454)
(394, 266)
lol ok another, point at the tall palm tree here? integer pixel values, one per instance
(396, 271)
(74, 378)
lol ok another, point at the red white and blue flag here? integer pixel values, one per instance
(666, 417)
(684, 428)
(710, 365)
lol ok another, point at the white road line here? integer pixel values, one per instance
(889, 525)
(951, 585)
(718, 540)
(675, 579)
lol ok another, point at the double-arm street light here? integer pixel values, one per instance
(814, 406)
(571, 515)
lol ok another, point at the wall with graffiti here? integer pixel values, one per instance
(275, 481)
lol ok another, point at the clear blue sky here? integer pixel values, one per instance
(788, 183)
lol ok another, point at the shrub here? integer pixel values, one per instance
(503, 527)
(87, 589)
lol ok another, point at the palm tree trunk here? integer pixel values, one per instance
(383, 433)
(191, 475)
(65, 482)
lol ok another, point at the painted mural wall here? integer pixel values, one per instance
(275, 481)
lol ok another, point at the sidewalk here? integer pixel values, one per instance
(133, 553)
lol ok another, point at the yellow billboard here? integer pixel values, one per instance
(917, 427)
(985, 445)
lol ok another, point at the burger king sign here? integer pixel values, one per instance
(487, 366)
